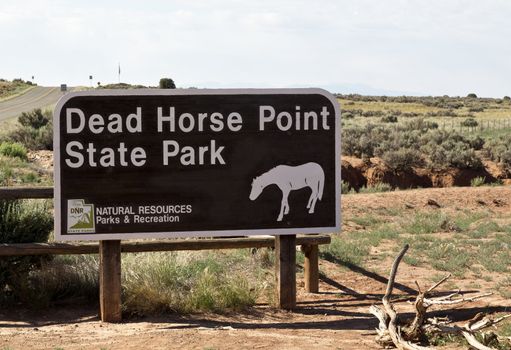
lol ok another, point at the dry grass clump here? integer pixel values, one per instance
(192, 281)
(158, 282)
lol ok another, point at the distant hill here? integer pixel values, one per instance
(11, 88)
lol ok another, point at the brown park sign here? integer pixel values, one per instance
(179, 163)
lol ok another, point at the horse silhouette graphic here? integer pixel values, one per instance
(289, 178)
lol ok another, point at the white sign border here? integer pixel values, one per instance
(186, 234)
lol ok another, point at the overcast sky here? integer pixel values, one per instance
(432, 47)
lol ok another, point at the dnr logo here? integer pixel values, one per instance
(80, 217)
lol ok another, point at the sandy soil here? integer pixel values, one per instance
(336, 318)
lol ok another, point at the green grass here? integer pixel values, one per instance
(505, 329)
(13, 171)
(366, 220)
(345, 252)
(444, 339)
(478, 181)
(16, 171)
(484, 229)
(375, 236)
(465, 219)
(412, 260)
(377, 188)
(444, 241)
(495, 256)
(447, 257)
(426, 222)
(504, 289)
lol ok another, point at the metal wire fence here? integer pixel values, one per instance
(482, 125)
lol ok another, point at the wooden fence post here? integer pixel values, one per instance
(311, 268)
(285, 264)
(110, 280)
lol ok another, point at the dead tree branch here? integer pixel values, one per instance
(406, 336)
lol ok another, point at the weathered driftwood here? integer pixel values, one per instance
(391, 332)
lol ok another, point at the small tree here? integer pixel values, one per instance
(472, 95)
(167, 83)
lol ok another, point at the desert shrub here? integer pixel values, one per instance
(35, 119)
(13, 149)
(469, 122)
(362, 141)
(454, 105)
(477, 143)
(369, 114)
(35, 130)
(418, 124)
(442, 113)
(402, 159)
(478, 181)
(389, 119)
(472, 95)
(499, 150)
(34, 139)
(442, 138)
(437, 156)
(463, 158)
(349, 143)
(21, 222)
(415, 143)
(347, 115)
(493, 148)
(451, 153)
(506, 98)
(396, 140)
(450, 149)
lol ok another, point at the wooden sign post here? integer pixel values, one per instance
(285, 271)
(110, 280)
(311, 267)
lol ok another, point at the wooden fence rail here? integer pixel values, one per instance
(14, 249)
(25, 192)
(109, 251)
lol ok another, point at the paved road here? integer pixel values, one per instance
(38, 97)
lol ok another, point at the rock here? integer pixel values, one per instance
(434, 203)
(499, 202)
